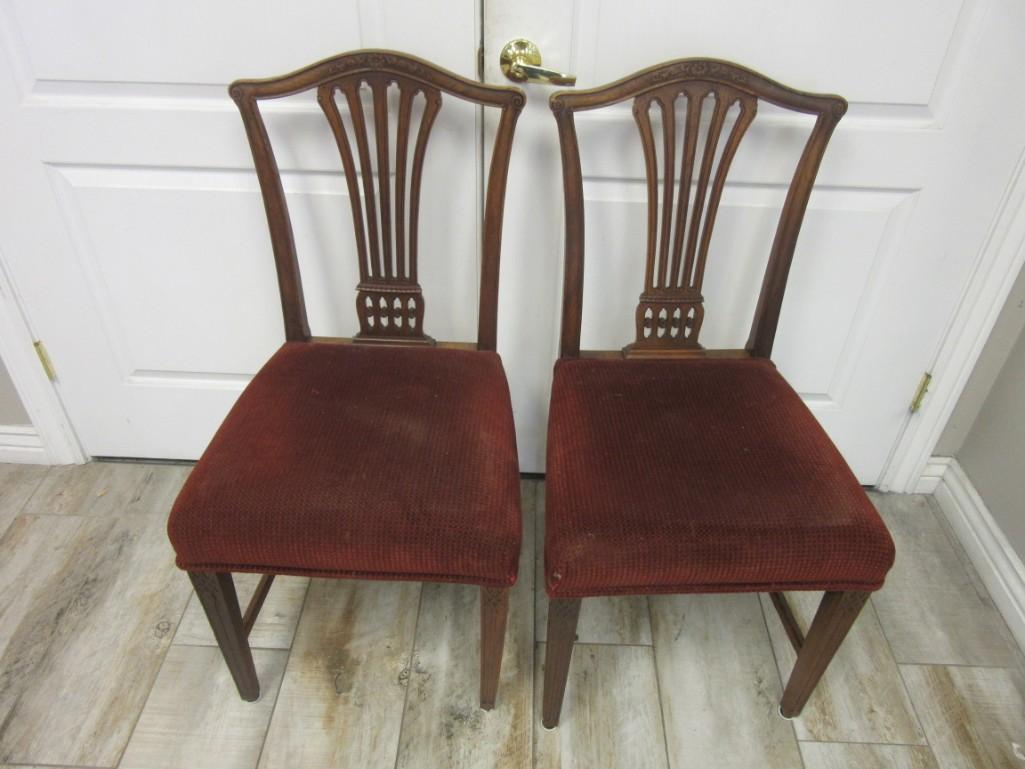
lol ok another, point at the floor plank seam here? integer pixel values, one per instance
(409, 680)
(867, 742)
(903, 683)
(914, 710)
(976, 580)
(152, 684)
(791, 722)
(31, 496)
(58, 766)
(658, 684)
(281, 682)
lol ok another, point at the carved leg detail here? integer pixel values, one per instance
(216, 592)
(494, 610)
(833, 619)
(562, 632)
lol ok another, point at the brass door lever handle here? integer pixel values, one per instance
(520, 61)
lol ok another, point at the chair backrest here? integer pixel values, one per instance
(669, 314)
(389, 301)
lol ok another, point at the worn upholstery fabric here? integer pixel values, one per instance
(698, 475)
(357, 461)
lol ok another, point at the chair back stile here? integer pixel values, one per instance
(389, 300)
(679, 228)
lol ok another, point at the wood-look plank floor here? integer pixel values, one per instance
(106, 659)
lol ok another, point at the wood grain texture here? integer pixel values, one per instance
(834, 755)
(194, 718)
(719, 685)
(389, 304)
(494, 614)
(669, 314)
(559, 642)
(604, 619)
(443, 724)
(860, 698)
(931, 607)
(17, 485)
(90, 606)
(217, 593)
(108, 488)
(275, 625)
(974, 717)
(343, 691)
(610, 716)
(80, 599)
(834, 617)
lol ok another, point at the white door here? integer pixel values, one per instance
(905, 196)
(131, 224)
(130, 215)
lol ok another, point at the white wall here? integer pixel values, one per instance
(986, 432)
(1006, 331)
(11, 410)
(993, 454)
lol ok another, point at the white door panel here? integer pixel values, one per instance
(135, 233)
(891, 229)
(110, 46)
(153, 285)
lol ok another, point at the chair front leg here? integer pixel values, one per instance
(562, 632)
(833, 619)
(216, 592)
(494, 610)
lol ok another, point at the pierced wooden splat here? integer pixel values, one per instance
(671, 308)
(356, 92)
(389, 300)
(685, 178)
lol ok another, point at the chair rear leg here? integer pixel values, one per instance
(562, 632)
(833, 619)
(216, 592)
(494, 610)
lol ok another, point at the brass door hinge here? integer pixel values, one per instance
(480, 63)
(923, 388)
(44, 358)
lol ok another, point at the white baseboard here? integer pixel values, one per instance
(21, 443)
(933, 473)
(1000, 567)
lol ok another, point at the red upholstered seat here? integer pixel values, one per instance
(698, 475)
(356, 461)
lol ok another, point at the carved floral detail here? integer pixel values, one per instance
(699, 69)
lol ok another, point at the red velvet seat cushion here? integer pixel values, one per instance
(357, 461)
(698, 475)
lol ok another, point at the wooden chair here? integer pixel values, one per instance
(386, 456)
(675, 469)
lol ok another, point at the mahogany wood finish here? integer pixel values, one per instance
(789, 621)
(216, 591)
(833, 619)
(494, 611)
(563, 614)
(389, 300)
(256, 603)
(670, 310)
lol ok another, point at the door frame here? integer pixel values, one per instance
(992, 275)
(51, 439)
(906, 470)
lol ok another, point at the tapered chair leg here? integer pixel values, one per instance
(494, 610)
(562, 632)
(216, 592)
(833, 619)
